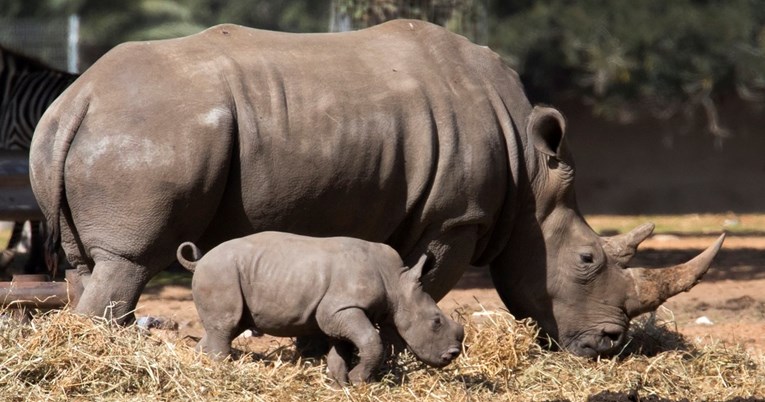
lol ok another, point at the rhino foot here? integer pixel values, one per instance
(148, 322)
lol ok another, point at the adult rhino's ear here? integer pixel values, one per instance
(546, 128)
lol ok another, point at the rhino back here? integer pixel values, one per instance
(380, 134)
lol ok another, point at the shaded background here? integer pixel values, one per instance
(664, 100)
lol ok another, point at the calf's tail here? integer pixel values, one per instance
(196, 254)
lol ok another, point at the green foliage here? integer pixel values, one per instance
(28, 8)
(467, 17)
(625, 57)
(106, 23)
(290, 16)
(628, 56)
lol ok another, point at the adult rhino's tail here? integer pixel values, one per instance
(47, 159)
(196, 254)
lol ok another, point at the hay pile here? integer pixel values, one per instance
(63, 356)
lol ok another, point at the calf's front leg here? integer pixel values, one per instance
(352, 325)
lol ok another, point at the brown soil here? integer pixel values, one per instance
(731, 296)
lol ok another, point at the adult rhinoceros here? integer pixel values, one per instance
(403, 133)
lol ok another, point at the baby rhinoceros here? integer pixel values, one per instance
(289, 285)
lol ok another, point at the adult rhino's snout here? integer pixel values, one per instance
(611, 338)
(604, 342)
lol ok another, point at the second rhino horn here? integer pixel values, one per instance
(623, 247)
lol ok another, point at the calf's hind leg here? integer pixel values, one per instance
(219, 302)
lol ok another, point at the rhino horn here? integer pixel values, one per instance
(623, 247)
(654, 286)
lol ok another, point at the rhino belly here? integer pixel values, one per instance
(284, 305)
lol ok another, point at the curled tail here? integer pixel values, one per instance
(50, 147)
(196, 254)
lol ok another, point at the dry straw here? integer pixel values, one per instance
(62, 356)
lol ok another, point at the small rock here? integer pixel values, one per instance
(665, 237)
(163, 323)
(704, 320)
(250, 333)
(731, 222)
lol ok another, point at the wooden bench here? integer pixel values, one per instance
(17, 202)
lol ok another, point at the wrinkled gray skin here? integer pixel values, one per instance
(403, 134)
(288, 285)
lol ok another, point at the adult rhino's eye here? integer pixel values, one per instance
(437, 323)
(586, 258)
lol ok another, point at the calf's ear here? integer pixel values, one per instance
(415, 272)
(546, 128)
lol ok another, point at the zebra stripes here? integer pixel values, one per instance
(27, 88)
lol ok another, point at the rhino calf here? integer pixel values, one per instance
(289, 285)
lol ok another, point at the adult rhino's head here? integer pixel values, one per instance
(556, 269)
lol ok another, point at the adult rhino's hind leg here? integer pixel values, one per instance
(113, 288)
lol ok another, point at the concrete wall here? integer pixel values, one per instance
(667, 167)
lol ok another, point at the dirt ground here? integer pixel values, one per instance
(728, 305)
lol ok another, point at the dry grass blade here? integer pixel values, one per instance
(62, 356)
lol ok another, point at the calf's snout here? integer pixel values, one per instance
(450, 354)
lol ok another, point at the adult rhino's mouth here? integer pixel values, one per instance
(605, 342)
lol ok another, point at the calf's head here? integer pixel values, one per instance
(576, 284)
(432, 336)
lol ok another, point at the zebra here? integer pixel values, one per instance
(27, 88)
